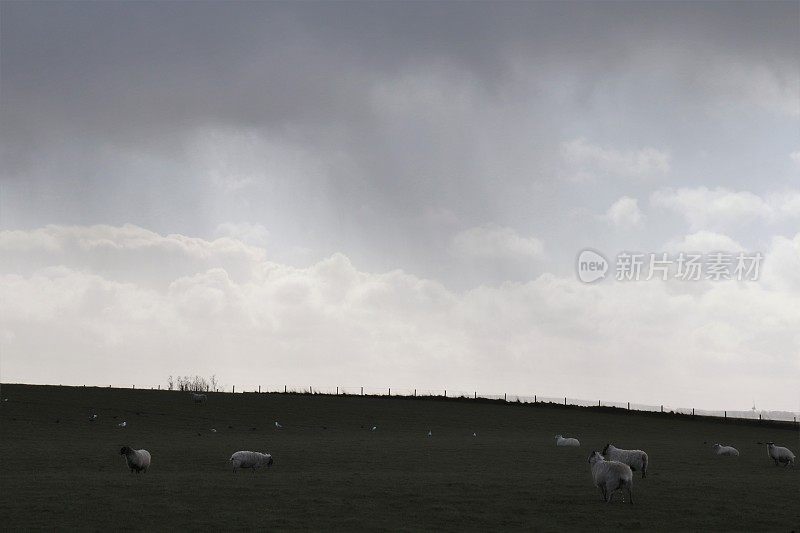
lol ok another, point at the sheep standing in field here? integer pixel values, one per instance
(254, 460)
(779, 454)
(636, 459)
(122, 424)
(569, 442)
(138, 460)
(728, 451)
(199, 398)
(611, 476)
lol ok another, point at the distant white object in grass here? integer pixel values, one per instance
(568, 442)
(430, 433)
(474, 434)
(199, 398)
(213, 430)
(278, 426)
(779, 454)
(728, 451)
(93, 417)
(5, 399)
(138, 460)
(611, 476)
(374, 428)
(247, 459)
(636, 459)
(122, 424)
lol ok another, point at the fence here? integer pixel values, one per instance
(750, 414)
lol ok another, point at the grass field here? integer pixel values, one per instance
(332, 472)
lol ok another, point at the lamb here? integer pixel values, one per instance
(636, 459)
(254, 460)
(138, 460)
(779, 454)
(570, 442)
(611, 476)
(729, 451)
(199, 398)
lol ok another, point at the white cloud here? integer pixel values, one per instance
(625, 213)
(703, 242)
(795, 156)
(703, 207)
(251, 234)
(492, 241)
(585, 161)
(331, 324)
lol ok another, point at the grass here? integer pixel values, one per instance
(332, 473)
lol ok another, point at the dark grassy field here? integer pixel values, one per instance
(332, 472)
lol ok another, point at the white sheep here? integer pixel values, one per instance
(561, 441)
(254, 460)
(199, 398)
(729, 451)
(277, 425)
(636, 459)
(138, 460)
(779, 454)
(122, 424)
(611, 476)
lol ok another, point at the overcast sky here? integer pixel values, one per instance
(394, 194)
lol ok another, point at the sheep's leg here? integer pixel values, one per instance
(630, 493)
(603, 492)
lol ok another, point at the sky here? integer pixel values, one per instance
(394, 194)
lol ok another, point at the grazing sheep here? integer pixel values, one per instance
(245, 459)
(213, 430)
(199, 398)
(779, 454)
(374, 428)
(138, 460)
(611, 476)
(430, 433)
(122, 424)
(93, 417)
(636, 459)
(729, 451)
(570, 442)
(277, 425)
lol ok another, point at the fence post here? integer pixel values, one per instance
(259, 389)
(415, 392)
(284, 389)
(337, 391)
(233, 390)
(534, 398)
(362, 391)
(445, 393)
(476, 395)
(629, 406)
(159, 387)
(505, 397)
(692, 411)
(134, 387)
(662, 408)
(390, 391)
(725, 415)
(565, 400)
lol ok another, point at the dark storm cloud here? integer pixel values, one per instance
(408, 110)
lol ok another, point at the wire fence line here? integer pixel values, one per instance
(749, 414)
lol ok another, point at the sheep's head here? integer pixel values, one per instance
(595, 456)
(605, 450)
(269, 461)
(125, 450)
